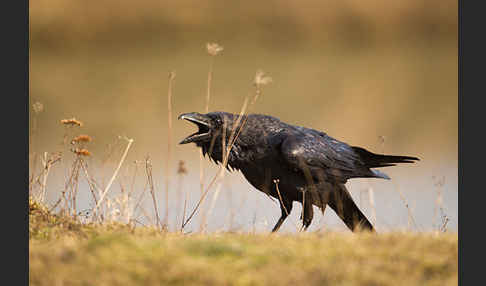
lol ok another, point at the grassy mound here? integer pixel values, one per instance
(64, 252)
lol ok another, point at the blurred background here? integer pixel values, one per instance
(377, 74)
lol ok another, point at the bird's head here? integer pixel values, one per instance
(210, 126)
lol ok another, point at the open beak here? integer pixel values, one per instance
(203, 123)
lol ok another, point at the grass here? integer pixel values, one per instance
(63, 252)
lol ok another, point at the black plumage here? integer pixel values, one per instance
(291, 163)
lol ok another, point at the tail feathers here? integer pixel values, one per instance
(373, 160)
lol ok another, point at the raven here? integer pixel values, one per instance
(290, 163)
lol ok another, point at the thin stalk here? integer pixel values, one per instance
(410, 215)
(210, 78)
(130, 141)
(371, 196)
(169, 146)
(148, 168)
(218, 188)
(223, 165)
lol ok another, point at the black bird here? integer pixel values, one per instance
(291, 163)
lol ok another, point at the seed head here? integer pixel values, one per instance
(214, 49)
(81, 138)
(181, 169)
(38, 107)
(261, 78)
(81, 152)
(72, 122)
(172, 75)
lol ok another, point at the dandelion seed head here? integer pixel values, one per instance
(214, 49)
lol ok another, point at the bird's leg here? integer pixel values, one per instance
(342, 203)
(286, 208)
(307, 211)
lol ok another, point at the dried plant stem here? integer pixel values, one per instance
(201, 171)
(201, 156)
(56, 203)
(439, 201)
(91, 183)
(178, 198)
(443, 227)
(130, 141)
(410, 215)
(224, 163)
(140, 198)
(257, 94)
(210, 78)
(145, 214)
(208, 97)
(371, 197)
(169, 146)
(71, 182)
(68, 195)
(203, 196)
(74, 188)
(148, 168)
(47, 164)
(280, 196)
(32, 153)
(32, 130)
(276, 181)
(218, 188)
(184, 210)
(31, 182)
